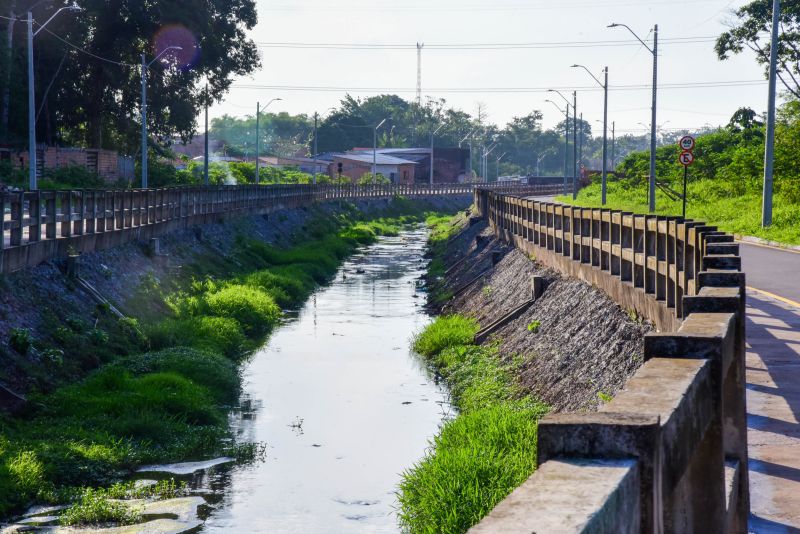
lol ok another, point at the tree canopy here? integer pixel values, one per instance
(88, 67)
(751, 31)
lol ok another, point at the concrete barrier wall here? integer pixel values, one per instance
(677, 431)
(42, 225)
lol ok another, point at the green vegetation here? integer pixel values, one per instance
(444, 333)
(534, 326)
(158, 388)
(442, 228)
(725, 181)
(486, 451)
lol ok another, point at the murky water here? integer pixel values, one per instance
(341, 402)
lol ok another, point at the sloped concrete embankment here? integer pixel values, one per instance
(578, 346)
(42, 299)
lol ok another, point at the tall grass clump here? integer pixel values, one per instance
(445, 332)
(489, 449)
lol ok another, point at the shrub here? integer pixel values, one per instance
(21, 340)
(212, 371)
(446, 332)
(285, 290)
(253, 308)
(95, 507)
(220, 335)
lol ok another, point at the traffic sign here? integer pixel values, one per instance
(686, 158)
(687, 143)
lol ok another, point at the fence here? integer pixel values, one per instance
(42, 225)
(669, 452)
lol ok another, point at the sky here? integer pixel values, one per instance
(380, 57)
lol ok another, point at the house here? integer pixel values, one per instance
(108, 164)
(357, 164)
(449, 164)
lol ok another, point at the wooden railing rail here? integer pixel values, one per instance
(680, 421)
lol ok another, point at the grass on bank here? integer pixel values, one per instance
(164, 385)
(708, 202)
(442, 229)
(483, 454)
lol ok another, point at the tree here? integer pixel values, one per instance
(88, 67)
(754, 21)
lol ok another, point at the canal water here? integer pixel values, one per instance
(342, 404)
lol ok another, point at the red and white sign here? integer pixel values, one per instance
(686, 158)
(687, 143)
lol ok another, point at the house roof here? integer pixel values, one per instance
(379, 159)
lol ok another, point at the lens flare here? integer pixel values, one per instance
(180, 36)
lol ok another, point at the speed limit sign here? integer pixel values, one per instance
(687, 143)
(686, 158)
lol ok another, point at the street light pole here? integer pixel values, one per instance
(769, 153)
(375, 150)
(31, 109)
(574, 141)
(433, 133)
(258, 134)
(654, 51)
(316, 119)
(205, 144)
(604, 85)
(145, 66)
(566, 133)
(32, 165)
(498, 164)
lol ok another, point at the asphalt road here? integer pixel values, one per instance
(772, 269)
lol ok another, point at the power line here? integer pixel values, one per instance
(683, 85)
(479, 46)
(545, 6)
(83, 51)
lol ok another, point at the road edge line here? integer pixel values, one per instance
(774, 296)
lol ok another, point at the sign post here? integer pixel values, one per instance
(687, 144)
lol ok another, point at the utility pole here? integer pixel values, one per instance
(769, 153)
(205, 153)
(420, 46)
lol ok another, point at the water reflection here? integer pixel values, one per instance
(342, 404)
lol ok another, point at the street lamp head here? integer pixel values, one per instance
(575, 66)
(612, 25)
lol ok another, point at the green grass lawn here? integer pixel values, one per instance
(738, 214)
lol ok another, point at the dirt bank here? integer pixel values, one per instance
(50, 308)
(577, 345)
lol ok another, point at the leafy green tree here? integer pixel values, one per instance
(88, 67)
(751, 30)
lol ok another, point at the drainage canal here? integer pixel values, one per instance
(341, 403)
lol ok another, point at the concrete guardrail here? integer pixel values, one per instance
(42, 225)
(669, 452)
